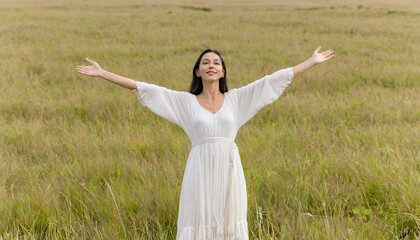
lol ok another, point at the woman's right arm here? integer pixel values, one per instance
(96, 71)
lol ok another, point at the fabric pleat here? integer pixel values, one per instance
(213, 200)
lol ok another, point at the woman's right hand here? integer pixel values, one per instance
(93, 71)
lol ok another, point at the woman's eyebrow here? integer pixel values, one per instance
(209, 59)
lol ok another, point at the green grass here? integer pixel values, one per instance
(336, 157)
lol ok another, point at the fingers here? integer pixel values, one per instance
(83, 73)
(319, 48)
(82, 70)
(328, 57)
(86, 70)
(90, 61)
(327, 53)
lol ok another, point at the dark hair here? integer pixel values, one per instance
(197, 83)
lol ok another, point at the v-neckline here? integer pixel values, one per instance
(224, 100)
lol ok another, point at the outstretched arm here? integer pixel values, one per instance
(314, 60)
(96, 71)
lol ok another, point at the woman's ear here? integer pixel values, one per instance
(197, 73)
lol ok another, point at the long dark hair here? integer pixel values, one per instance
(197, 83)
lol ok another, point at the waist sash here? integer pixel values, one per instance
(213, 139)
(232, 186)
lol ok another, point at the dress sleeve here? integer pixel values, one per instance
(254, 96)
(164, 102)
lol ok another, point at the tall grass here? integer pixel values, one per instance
(336, 157)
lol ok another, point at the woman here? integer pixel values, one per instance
(213, 201)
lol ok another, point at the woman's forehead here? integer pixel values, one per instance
(210, 56)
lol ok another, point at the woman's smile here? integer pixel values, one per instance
(210, 67)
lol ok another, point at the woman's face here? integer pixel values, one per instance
(210, 68)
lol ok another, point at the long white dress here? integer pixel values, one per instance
(213, 201)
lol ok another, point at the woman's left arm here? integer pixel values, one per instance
(314, 60)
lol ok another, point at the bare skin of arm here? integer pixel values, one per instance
(316, 58)
(96, 71)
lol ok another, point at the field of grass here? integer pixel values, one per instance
(336, 157)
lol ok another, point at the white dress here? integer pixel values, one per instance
(213, 201)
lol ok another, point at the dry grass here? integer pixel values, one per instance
(336, 157)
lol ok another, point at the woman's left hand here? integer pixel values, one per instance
(318, 57)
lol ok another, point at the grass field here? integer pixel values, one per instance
(336, 157)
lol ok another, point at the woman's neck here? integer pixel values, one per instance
(211, 91)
